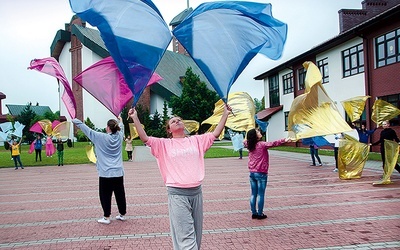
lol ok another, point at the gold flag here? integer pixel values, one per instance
(191, 126)
(61, 130)
(351, 158)
(314, 113)
(46, 126)
(90, 153)
(243, 110)
(382, 111)
(132, 131)
(391, 155)
(354, 107)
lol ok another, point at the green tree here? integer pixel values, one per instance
(156, 127)
(196, 102)
(165, 117)
(259, 105)
(27, 118)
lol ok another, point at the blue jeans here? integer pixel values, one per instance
(258, 184)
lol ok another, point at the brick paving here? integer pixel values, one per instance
(307, 207)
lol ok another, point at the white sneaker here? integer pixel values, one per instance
(120, 217)
(320, 164)
(104, 220)
(335, 170)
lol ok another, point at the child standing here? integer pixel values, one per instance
(128, 147)
(38, 147)
(60, 151)
(15, 152)
(258, 166)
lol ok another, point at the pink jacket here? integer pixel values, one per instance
(259, 157)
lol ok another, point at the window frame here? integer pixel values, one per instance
(324, 69)
(382, 44)
(353, 60)
(273, 91)
(301, 73)
(287, 83)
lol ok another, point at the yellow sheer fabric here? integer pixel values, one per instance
(314, 113)
(90, 153)
(391, 154)
(243, 110)
(351, 158)
(132, 131)
(354, 107)
(46, 126)
(382, 111)
(61, 130)
(191, 126)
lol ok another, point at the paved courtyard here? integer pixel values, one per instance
(307, 207)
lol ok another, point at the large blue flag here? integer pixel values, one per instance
(223, 37)
(134, 33)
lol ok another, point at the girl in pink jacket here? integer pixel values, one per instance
(258, 166)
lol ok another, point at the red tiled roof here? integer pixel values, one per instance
(268, 112)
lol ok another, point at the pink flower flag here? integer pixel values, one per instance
(104, 81)
(51, 67)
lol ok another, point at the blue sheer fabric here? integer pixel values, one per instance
(223, 37)
(134, 33)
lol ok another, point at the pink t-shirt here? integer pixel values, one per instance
(181, 160)
(259, 157)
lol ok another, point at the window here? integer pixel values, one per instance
(286, 120)
(395, 101)
(323, 67)
(287, 83)
(273, 91)
(353, 60)
(302, 77)
(387, 48)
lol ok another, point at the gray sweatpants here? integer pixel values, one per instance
(186, 217)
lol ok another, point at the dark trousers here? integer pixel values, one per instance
(38, 153)
(16, 159)
(106, 187)
(129, 155)
(314, 154)
(336, 152)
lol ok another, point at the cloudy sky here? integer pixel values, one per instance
(29, 28)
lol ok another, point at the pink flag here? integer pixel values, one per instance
(51, 67)
(36, 128)
(104, 81)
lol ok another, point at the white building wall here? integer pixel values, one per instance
(338, 89)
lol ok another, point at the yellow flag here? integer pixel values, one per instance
(133, 132)
(351, 158)
(90, 153)
(391, 156)
(191, 126)
(382, 111)
(354, 107)
(243, 110)
(46, 126)
(61, 130)
(314, 113)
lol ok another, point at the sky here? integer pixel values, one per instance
(30, 27)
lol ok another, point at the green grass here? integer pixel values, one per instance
(77, 154)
